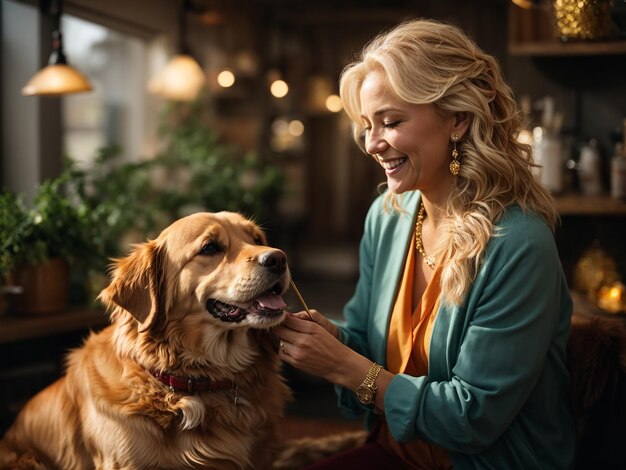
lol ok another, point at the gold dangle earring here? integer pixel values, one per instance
(455, 165)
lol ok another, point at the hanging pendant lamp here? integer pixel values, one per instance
(182, 78)
(57, 78)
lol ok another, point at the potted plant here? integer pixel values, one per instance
(37, 243)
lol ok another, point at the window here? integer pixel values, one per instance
(114, 112)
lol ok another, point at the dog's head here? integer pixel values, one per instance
(215, 268)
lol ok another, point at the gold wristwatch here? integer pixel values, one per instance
(367, 390)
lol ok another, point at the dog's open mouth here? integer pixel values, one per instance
(268, 304)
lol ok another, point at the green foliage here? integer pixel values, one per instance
(84, 214)
(13, 214)
(112, 199)
(202, 172)
(50, 227)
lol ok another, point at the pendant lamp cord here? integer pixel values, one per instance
(57, 56)
(183, 45)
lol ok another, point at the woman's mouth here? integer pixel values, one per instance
(393, 166)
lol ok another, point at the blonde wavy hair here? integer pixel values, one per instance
(425, 61)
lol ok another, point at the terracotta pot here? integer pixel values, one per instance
(45, 286)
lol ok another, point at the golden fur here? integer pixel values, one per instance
(108, 411)
(298, 453)
(596, 357)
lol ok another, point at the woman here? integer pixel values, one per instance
(461, 296)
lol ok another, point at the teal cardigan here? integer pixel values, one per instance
(496, 394)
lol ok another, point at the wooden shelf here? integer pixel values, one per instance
(16, 327)
(577, 204)
(575, 48)
(532, 32)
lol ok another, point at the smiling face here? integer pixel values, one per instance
(410, 141)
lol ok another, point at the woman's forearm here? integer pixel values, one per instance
(352, 370)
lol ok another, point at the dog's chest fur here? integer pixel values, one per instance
(207, 429)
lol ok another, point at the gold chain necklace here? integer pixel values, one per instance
(419, 245)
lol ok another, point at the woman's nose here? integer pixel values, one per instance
(374, 143)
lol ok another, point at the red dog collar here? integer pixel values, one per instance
(192, 384)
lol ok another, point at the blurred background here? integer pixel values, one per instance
(187, 105)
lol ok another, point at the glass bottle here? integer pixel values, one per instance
(589, 169)
(618, 169)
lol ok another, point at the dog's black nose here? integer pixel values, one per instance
(275, 261)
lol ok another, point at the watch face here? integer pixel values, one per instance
(365, 395)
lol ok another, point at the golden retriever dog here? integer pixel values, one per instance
(186, 376)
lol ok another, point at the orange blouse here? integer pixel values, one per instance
(408, 345)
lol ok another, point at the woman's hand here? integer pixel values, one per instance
(320, 320)
(312, 346)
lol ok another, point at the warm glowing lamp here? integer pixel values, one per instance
(526, 4)
(296, 128)
(279, 88)
(226, 78)
(182, 78)
(57, 78)
(612, 298)
(333, 103)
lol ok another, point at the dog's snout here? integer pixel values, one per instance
(275, 261)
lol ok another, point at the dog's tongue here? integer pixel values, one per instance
(271, 301)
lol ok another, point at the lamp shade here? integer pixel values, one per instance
(57, 79)
(180, 80)
(523, 3)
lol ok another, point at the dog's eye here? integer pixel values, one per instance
(210, 249)
(258, 240)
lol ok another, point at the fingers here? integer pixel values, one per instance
(320, 320)
(301, 315)
(301, 340)
(297, 322)
(284, 350)
(295, 332)
(286, 335)
(300, 322)
(314, 315)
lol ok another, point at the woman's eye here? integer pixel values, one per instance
(209, 249)
(390, 125)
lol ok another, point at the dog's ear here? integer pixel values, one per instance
(138, 285)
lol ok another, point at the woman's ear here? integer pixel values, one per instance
(460, 124)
